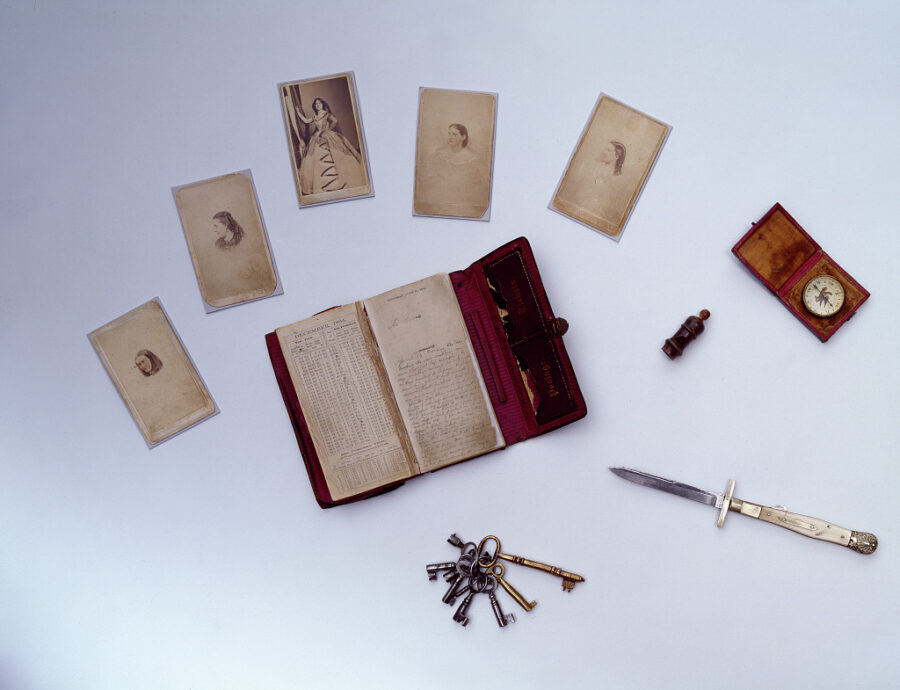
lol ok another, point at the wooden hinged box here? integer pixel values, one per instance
(788, 262)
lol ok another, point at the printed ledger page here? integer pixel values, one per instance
(433, 372)
(346, 410)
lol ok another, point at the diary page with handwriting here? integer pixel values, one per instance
(433, 372)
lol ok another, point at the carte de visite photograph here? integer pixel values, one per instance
(609, 167)
(325, 138)
(227, 240)
(454, 153)
(153, 372)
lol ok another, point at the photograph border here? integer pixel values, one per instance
(364, 147)
(111, 372)
(486, 217)
(617, 236)
(279, 288)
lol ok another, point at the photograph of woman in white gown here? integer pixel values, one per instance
(325, 138)
(331, 162)
(454, 154)
(457, 172)
(455, 151)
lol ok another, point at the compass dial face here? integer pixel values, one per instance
(823, 296)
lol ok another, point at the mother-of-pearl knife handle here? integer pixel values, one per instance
(861, 542)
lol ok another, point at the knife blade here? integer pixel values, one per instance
(861, 542)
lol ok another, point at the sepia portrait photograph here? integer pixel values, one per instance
(152, 372)
(325, 138)
(227, 240)
(454, 153)
(609, 167)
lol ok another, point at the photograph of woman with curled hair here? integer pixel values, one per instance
(227, 240)
(454, 154)
(609, 167)
(228, 231)
(325, 139)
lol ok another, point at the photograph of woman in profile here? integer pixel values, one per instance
(599, 185)
(228, 231)
(147, 363)
(606, 168)
(613, 155)
(330, 161)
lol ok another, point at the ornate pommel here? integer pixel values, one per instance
(863, 542)
(690, 329)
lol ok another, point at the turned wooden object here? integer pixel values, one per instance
(690, 329)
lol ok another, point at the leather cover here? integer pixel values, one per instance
(784, 257)
(518, 345)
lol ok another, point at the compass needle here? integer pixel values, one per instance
(818, 293)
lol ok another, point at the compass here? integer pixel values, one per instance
(823, 296)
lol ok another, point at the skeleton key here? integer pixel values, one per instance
(465, 568)
(453, 577)
(434, 568)
(520, 600)
(450, 567)
(465, 547)
(456, 541)
(503, 619)
(568, 579)
(476, 585)
(458, 585)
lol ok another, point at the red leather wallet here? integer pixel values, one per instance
(517, 342)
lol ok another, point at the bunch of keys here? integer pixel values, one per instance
(477, 571)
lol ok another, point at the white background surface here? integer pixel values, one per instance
(206, 563)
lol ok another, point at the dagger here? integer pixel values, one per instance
(861, 542)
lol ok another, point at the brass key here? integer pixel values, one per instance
(520, 600)
(569, 579)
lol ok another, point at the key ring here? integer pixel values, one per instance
(466, 566)
(490, 563)
(478, 582)
(464, 549)
(490, 585)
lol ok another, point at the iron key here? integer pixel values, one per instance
(503, 619)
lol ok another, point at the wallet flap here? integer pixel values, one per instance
(518, 343)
